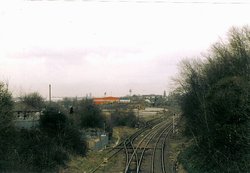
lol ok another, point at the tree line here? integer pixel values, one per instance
(214, 95)
(59, 134)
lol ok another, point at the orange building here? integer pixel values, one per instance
(105, 100)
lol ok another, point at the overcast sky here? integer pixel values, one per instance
(94, 47)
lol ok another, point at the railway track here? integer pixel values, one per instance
(127, 144)
(160, 147)
(143, 146)
(143, 151)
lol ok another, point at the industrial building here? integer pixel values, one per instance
(108, 100)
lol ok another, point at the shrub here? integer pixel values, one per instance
(7, 130)
(90, 115)
(215, 103)
(123, 118)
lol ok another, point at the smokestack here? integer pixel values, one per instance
(49, 93)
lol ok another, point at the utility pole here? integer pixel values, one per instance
(138, 115)
(49, 93)
(173, 123)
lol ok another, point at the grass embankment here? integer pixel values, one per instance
(94, 158)
(176, 145)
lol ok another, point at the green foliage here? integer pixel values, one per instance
(45, 148)
(32, 101)
(40, 149)
(123, 118)
(90, 115)
(59, 127)
(173, 99)
(159, 101)
(67, 103)
(53, 121)
(6, 106)
(7, 131)
(215, 102)
(37, 151)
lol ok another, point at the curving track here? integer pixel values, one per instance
(159, 150)
(144, 150)
(127, 144)
(144, 147)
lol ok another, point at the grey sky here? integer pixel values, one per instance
(81, 47)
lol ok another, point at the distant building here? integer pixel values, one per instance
(151, 96)
(106, 100)
(124, 100)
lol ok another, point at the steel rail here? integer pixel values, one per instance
(154, 151)
(162, 151)
(156, 132)
(135, 150)
(132, 137)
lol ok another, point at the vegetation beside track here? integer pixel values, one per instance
(94, 158)
(214, 98)
(177, 144)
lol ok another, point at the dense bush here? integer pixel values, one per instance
(39, 152)
(53, 121)
(59, 127)
(90, 115)
(49, 146)
(215, 103)
(7, 131)
(123, 118)
(32, 101)
(40, 149)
